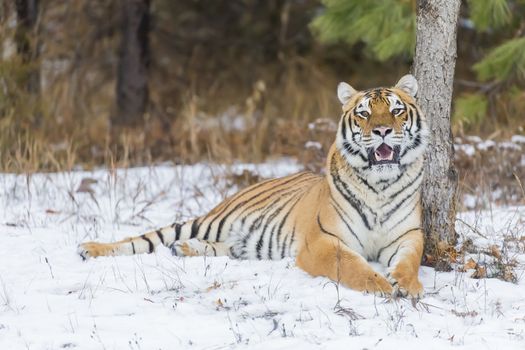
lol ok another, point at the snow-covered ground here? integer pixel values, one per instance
(50, 299)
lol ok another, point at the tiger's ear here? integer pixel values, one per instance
(344, 92)
(408, 84)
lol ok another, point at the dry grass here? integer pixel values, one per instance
(268, 120)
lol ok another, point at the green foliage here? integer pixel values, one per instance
(503, 62)
(470, 109)
(503, 65)
(489, 14)
(386, 27)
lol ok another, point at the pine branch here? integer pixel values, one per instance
(503, 62)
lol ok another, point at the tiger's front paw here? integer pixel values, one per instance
(183, 249)
(378, 285)
(190, 247)
(405, 285)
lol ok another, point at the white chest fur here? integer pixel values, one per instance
(382, 210)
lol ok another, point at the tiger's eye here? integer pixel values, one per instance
(397, 111)
(364, 114)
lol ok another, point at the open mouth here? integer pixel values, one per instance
(384, 154)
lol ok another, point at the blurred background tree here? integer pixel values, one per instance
(133, 61)
(228, 79)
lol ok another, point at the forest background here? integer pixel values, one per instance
(88, 83)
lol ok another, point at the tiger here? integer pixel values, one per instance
(365, 207)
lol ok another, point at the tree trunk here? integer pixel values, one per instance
(434, 65)
(27, 15)
(132, 79)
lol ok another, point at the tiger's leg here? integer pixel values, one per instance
(327, 256)
(198, 247)
(402, 261)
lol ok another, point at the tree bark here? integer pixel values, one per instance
(434, 64)
(132, 75)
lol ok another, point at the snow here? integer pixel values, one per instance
(470, 201)
(473, 139)
(230, 120)
(510, 145)
(50, 299)
(485, 145)
(323, 124)
(313, 144)
(469, 150)
(518, 138)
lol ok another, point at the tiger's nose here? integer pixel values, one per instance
(382, 131)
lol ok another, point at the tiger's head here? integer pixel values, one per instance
(382, 130)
